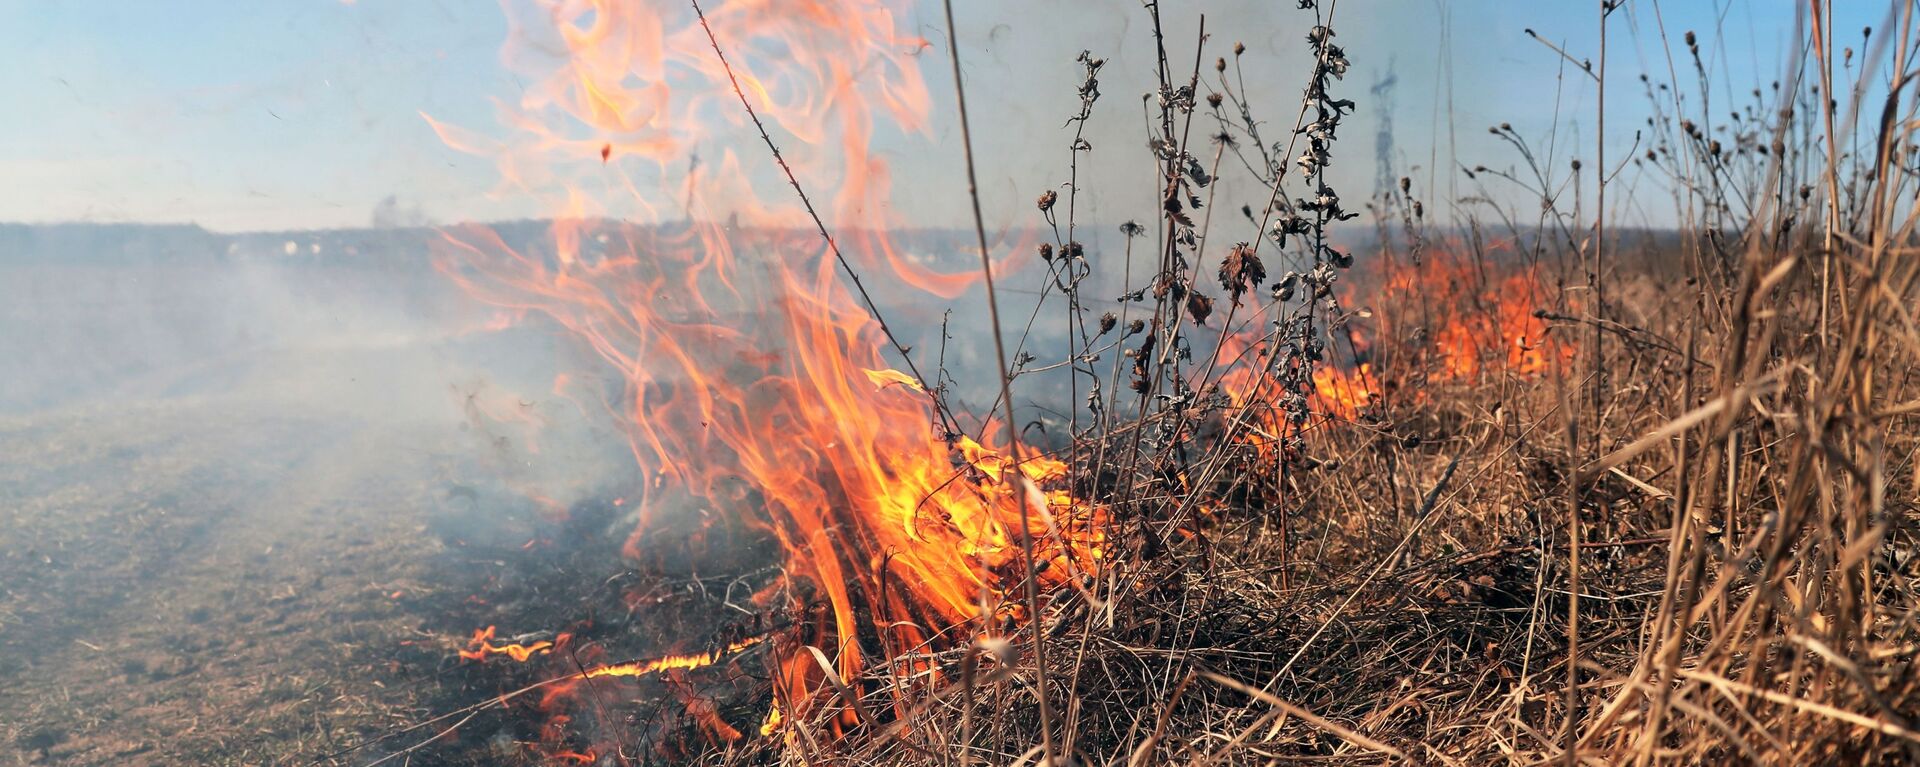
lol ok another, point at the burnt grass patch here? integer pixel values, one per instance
(566, 579)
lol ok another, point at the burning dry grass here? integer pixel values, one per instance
(1418, 609)
(1556, 500)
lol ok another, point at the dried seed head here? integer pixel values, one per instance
(1220, 64)
(1046, 252)
(1213, 100)
(1239, 48)
(1283, 290)
(1107, 321)
(1047, 199)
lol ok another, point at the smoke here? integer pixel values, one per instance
(388, 213)
(352, 330)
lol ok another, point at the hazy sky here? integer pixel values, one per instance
(306, 113)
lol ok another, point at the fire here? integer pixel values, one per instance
(1343, 394)
(772, 723)
(1336, 392)
(1446, 321)
(891, 377)
(481, 646)
(1481, 316)
(756, 384)
(670, 662)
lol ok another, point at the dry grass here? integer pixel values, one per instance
(1691, 540)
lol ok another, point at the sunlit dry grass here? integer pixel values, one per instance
(1683, 534)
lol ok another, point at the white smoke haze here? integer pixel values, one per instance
(345, 324)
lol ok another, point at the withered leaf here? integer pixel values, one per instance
(1241, 270)
(1199, 306)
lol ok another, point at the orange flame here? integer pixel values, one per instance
(1482, 317)
(757, 383)
(671, 662)
(1343, 394)
(1447, 320)
(773, 722)
(481, 646)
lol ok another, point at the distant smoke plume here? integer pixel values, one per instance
(390, 214)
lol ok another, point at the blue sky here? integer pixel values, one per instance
(306, 113)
